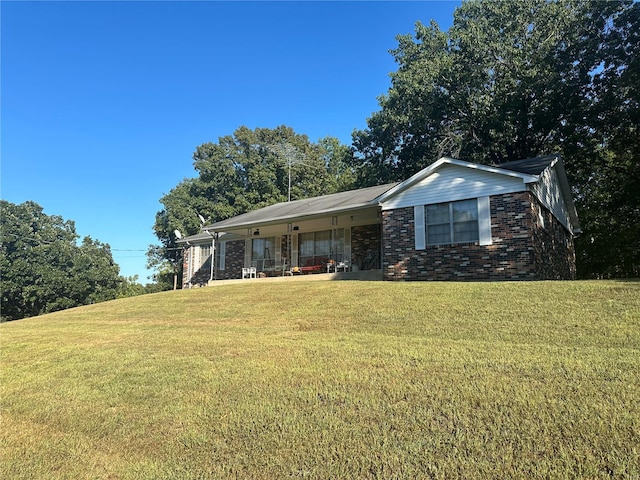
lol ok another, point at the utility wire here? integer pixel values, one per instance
(51, 242)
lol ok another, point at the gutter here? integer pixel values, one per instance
(287, 219)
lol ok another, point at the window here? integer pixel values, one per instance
(205, 253)
(452, 222)
(317, 248)
(220, 255)
(263, 253)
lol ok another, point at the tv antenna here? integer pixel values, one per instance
(292, 156)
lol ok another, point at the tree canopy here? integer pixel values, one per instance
(247, 170)
(513, 80)
(43, 267)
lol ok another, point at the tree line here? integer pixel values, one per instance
(508, 80)
(44, 269)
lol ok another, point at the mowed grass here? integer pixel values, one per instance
(329, 380)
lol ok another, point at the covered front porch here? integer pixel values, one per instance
(311, 245)
(331, 237)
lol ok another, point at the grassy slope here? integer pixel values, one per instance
(329, 380)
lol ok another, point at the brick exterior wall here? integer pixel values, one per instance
(234, 261)
(555, 256)
(521, 250)
(200, 277)
(285, 250)
(365, 246)
(185, 266)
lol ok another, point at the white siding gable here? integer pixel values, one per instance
(453, 182)
(548, 192)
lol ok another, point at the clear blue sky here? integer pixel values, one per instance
(103, 103)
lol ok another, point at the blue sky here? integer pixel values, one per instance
(103, 103)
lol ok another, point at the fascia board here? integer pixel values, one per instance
(287, 219)
(526, 178)
(565, 188)
(197, 238)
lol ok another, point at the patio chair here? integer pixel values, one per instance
(250, 272)
(344, 266)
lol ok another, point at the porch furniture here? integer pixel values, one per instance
(344, 266)
(315, 265)
(250, 272)
(312, 268)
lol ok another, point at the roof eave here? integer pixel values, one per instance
(288, 218)
(565, 188)
(198, 237)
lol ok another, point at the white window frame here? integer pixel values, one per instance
(451, 221)
(484, 224)
(484, 221)
(221, 251)
(205, 253)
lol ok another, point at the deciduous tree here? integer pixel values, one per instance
(245, 171)
(513, 80)
(44, 269)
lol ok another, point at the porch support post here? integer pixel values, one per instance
(213, 255)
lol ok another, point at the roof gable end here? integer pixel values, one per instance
(444, 161)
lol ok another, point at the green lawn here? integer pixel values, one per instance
(329, 380)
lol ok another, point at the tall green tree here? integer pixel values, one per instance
(43, 267)
(178, 215)
(611, 194)
(338, 162)
(513, 80)
(245, 171)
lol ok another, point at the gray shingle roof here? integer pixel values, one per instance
(535, 166)
(316, 206)
(530, 166)
(197, 238)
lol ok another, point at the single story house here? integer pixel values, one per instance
(453, 220)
